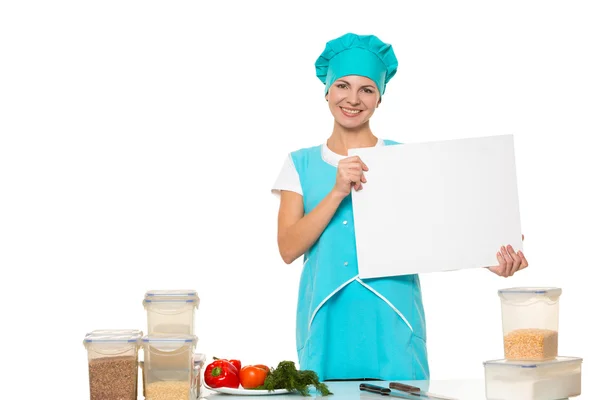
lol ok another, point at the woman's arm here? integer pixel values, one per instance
(298, 232)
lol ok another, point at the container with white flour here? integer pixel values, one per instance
(531, 380)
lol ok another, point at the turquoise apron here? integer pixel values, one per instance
(347, 327)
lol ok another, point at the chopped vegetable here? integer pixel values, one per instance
(286, 376)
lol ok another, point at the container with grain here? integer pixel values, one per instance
(113, 364)
(169, 366)
(171, 311)
(530, 323)
(533, 380)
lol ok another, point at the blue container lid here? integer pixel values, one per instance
(116, 332)
(113, 338)
(530, 293)
(172, 296)
(170, 338)
(534, 364)
(172, 293)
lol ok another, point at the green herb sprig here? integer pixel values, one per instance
(286, 376)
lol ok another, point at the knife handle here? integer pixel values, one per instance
(374, 388)
(404, 388)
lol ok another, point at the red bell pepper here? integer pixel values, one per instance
(221, 373)
(236, 363)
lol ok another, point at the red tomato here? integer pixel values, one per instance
(252, 376)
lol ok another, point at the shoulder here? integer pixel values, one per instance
(306, 150)
(390, 142)
(303, 155)
(294, 166)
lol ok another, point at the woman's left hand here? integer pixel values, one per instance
(509, 261)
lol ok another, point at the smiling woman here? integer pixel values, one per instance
(346, 328)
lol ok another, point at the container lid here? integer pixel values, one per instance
(178, 296)
(170, 338)
(176, 293)
(110, 338)
(534, 364)
(116, 332)
(527, 293)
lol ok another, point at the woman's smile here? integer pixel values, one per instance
(350, 112)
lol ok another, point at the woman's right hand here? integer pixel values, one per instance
(349, 175)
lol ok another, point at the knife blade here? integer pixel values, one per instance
(417, 391)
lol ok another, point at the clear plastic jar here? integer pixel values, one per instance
(530, 323)
(112, 364)
(169, 366)
(171, 311)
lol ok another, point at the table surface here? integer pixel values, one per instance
(457, 389)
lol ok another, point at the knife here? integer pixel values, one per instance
(385, 391)
(417, 391)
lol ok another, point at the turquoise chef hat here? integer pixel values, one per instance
(352, 54)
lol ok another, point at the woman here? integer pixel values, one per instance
(347, 328)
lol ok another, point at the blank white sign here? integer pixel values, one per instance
(436, 206)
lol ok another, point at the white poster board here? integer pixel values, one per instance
(436, 206)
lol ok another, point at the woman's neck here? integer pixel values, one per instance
(343, 139)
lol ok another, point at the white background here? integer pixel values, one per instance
(140, 139)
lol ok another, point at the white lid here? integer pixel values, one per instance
(534, 364)
(172, 296)
(170, 338)
(111, 339)
(172, 293)
(170, 343)
(116, 332)
(529, 293)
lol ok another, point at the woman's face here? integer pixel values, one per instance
(352, 100)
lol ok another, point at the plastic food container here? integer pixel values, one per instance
(530, 323)
(169, 367)
(120, 332)
(112, 365)
(199, 361)
(171, 311)
(533, 380)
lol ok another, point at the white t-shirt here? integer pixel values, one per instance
(289, 179)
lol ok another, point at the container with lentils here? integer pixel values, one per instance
(530, 323)
(113, 364)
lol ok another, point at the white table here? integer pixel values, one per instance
(459, 389)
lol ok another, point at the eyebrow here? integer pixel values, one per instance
(348, 83)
